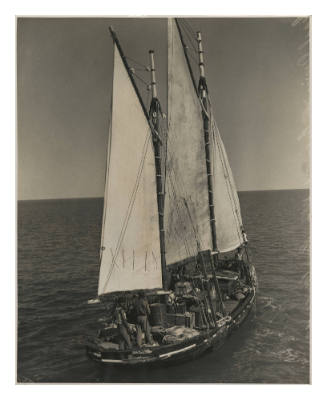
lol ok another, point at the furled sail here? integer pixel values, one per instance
(130, 248)
(186, 204)
(226, 202)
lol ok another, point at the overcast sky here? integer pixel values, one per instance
(258, 78)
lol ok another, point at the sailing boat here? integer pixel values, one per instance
(172, 226)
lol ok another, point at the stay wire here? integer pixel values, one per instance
(146, 68)
(224, 163)
(226, 174)
(141, 79)
(189, 27)
(190, 38)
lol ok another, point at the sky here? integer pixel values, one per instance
(258, 77)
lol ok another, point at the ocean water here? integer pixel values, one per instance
(57, 272)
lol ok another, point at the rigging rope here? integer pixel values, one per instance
(129, 209)
(179, 197)
(176, 234)
(189, 28)
(229, 187)
(106, 182)
(229, 178)
(176, 185)
(141, 79)
(146, 68)
(178, 211)
(193, 57)
(189, 36)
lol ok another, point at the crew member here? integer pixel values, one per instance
(239, 254)
(142, 310)
(123, 325)
(239, 262)
(245, 238)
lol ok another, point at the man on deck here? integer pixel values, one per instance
(142, 310)
(122, 324)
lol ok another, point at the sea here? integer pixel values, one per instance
(57, 273)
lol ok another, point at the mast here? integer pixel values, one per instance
(154, 111)
(203, 91)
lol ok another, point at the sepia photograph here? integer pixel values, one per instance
(163, 200)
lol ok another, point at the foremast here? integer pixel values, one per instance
(155, 110)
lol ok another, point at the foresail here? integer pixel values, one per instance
(186, 204)
(130, 257)
(226, 202)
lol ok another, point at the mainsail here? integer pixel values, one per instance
(187, 216)
(186, 203)
(130, 248)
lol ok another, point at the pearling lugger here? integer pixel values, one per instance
(175, 275)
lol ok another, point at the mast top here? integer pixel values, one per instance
(153, 75)
(200, 51)
(112, 31)
(128, 69)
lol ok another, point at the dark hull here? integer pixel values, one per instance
(181, 352)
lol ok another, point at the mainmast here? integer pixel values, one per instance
(154, 111)
(203, 93)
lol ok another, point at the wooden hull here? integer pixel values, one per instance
(181, 352)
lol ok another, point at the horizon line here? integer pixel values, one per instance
(101, 197)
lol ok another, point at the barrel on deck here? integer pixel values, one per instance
(158, 314)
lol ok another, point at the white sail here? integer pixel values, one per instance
(226, 202)
(130, 256)
(186, 204)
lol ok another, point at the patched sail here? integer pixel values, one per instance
(227, 207)
(130, 248)
(186, 204)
